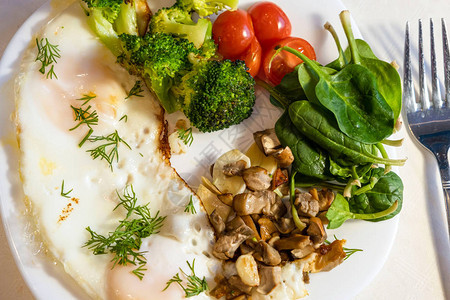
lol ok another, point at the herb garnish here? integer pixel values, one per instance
(111, 141)
(194, 286)
(136, 90)
(84, 116)
(86, 98)
(190, 207)
(47, 55)
(348, 251)
(65, 194)
(186, 135)
(125, 241)
(124, 117)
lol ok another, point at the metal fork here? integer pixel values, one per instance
(429, 121)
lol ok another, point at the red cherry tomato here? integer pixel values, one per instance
(252, 57)
(270, 22)
(233, 32)
(285, 62)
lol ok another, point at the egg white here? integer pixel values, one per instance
(50, 155)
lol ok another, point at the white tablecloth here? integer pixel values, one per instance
(418, 266)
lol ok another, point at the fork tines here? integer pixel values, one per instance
(437, 100)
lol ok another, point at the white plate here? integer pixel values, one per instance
(40, 272)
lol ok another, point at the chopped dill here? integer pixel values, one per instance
(65, 194)
(136, 90)
(190, 207)
(109, 149)
(125, 241)
(186, 136)
(47, 55)
(86, 98)
(348, 251)
(194, 285)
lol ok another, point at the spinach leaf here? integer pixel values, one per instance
(387, 190)
(386, 76)
(309, 80)
(308, 158)
(317, 125)
(339, 212)
(288, 91)
(364, 51)
(353, 97)
(346, 171)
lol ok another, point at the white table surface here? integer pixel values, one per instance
(418, 266)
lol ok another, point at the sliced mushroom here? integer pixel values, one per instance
(249, 222)
(253, 203)
(226, 198)
(247, 270)
(227, 244)
(326, 197)
(284, 157)
(268, 254)
(316, 231)
(208, 184)
(234, 168)
(236, 282)
(277, 209)
(323, 217)
(267, 141)
(285, 225)
(258, 158)
(270, 279)
(217, 222)
(295, 241)
(303, 252)
(256, 178)
(226, 184)
(211, 202)
(329, 256)
(306, 204)
(279, 178)
(266, 228)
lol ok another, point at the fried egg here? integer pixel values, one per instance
(68, 190)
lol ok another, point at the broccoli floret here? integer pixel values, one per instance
(160, 59)
(207, 7)
(109, 18)
(216, 94)
(177, 21)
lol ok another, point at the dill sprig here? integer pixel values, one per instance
(348, 251)
(109, 150)
(65, 194)
(194, 285)
(125, 241)
(136, 90)
(190, 207)
(86, 98)
(84, 116)
(124, 117)
(186, 135)
(47, 55)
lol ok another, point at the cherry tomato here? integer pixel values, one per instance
(285, 62)
(233, 32)
(270, 22)
(252, 57)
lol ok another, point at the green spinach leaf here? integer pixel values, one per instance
(339, 212)
(309, 160)
(317, 125)
(387, 190)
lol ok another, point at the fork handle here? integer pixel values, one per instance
(444, 169)
(446, 188)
